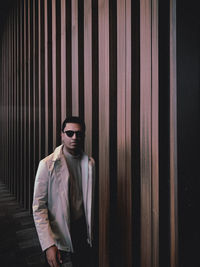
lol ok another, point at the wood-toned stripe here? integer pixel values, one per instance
(12, 90)
(104, 185)
(88, 74)
(46, 25)
(155, 136)
(29, 106)
(42, 68)
(54, 77)
(127, 194)
(36, 85)
(74, 55)
(63, 59)
(39, 79)
(34, 93)
(25, 105)
(58, 73)
(21, 99)
(17, 162)
(124, 129)
(145, 133)
(9, 84)
(16, 102)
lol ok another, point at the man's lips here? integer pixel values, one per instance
(74, 143)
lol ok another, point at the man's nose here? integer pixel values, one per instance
(74, 136)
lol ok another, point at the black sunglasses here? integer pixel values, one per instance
(71, 133)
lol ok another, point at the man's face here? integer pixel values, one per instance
(72, 137)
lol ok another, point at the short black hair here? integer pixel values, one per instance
(74, 119)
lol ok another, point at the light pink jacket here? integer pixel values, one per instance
(51, 203)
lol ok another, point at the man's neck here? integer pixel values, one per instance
(76, 152)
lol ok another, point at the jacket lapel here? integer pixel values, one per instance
(62, 180)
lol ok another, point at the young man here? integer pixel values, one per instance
(63, 199)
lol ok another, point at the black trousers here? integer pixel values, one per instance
(82, 256)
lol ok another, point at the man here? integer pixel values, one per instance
(63, 199)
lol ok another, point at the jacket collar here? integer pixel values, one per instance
(57, 153)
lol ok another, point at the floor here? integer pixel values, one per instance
(19, 245)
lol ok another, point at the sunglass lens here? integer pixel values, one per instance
(69, 133)
(79, 134)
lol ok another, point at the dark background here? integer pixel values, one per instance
(4, 7)
(188, 85)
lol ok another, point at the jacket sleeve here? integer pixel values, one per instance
(40, 210)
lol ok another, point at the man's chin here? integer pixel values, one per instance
(75, 150)
(75, 147)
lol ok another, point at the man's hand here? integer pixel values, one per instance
(53, 256)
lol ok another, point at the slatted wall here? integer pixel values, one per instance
(98, 59)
